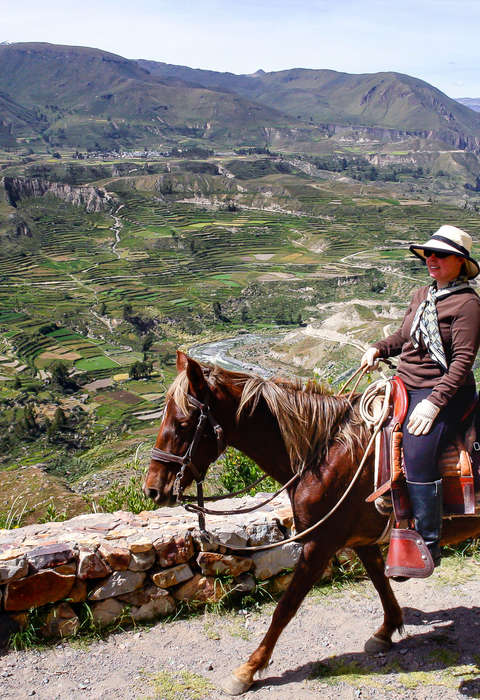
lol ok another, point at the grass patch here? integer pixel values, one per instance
(210, 628)
(238, 629)
(13, 518)
(456, 569)
(393, 677)
(179, 686)
(89, 364)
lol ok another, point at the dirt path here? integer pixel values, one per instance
(319, 655)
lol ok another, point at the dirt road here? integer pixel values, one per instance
(319, 655)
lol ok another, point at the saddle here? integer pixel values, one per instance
(459, 466)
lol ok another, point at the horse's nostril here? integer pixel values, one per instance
(150, 493)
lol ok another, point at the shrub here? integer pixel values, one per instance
(238, 471)
(127, 496)
(141, 370)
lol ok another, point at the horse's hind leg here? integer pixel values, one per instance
(312, 562)
(374, 564)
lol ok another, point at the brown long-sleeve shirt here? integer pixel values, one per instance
(459, 324)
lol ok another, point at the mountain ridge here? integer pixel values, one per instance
(296, 91)
(471, 102)
(79, 96)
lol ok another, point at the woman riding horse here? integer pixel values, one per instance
(437, 342)
(289, 429)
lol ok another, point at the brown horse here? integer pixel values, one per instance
(285, 427)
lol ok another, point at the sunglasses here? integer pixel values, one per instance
(440, 256)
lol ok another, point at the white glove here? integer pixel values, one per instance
(368, 360)
(422, 417)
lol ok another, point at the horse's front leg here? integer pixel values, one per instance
(311, 564)
(372, 559)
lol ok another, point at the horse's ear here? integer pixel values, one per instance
(182, 361)
(196, 381)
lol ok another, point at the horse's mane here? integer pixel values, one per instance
(310, 418)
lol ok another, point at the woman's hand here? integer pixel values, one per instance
(369, 359)
(422, 417)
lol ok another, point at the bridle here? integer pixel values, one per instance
(187, 461)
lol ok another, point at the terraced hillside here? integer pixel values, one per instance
(93, 305)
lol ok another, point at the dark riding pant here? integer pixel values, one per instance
(421, 452)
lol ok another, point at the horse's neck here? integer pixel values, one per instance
(258, 436)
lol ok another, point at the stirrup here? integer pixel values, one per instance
(408, 555)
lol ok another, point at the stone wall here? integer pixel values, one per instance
(137, 567)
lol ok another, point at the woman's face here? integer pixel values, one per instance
(444, 270)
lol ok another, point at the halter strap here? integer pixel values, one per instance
(186, 461)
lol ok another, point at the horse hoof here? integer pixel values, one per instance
(375, 644)
(234, 686)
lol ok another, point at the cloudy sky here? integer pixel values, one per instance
(436, 40)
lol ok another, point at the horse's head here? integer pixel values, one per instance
(190, 437)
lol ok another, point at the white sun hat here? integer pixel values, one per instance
(449, 239)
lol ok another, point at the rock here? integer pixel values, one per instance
(8, 626)
(327, 573)
(142, 561)
(272, 561)
(21, 618)
(212, 564)
(285, 516)
(61, 621)
(348, 559)
(119, 583)
(79, 592)
(202, 589)
(91, 198)
(107, 611)
(263, 533)
(172, 576)
(36, 590)
(117, 557)
(140, 546)
(13, 569)
(95, 522)
(140, 596)
(245, 583)
(66, 569)
(177, 550)
(159, 606)
(120, 533)
(280, 583)
(232, 533)
(91, 565)
(50, 555)
(12, 553)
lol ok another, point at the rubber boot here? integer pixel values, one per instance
(427, 507)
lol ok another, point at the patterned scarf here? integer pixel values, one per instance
(425, 324)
